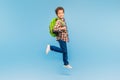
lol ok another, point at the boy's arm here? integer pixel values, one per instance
(58, 27)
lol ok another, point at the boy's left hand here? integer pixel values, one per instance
(63, 28)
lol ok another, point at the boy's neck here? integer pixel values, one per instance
(60, 18)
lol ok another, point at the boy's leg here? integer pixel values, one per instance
(57, 49)
(53, 48)
(64, 51)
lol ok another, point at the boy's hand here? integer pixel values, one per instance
(63, 28)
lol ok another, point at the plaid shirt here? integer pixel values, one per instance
(62, 34)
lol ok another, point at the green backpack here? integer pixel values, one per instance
(51, 26)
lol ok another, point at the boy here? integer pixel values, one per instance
(62, 36)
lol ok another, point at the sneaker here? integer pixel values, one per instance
(47, 49)
(68, 66)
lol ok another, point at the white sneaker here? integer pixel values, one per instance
(47, 49)
(68, 66)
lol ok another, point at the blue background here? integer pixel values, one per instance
(94, 47)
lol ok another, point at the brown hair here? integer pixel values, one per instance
(58, 8)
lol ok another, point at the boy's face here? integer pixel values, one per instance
(60, 14)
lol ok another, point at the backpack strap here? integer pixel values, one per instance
(63, 23)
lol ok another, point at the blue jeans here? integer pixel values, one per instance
(62, 49)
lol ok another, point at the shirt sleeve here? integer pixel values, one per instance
(57, 27)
